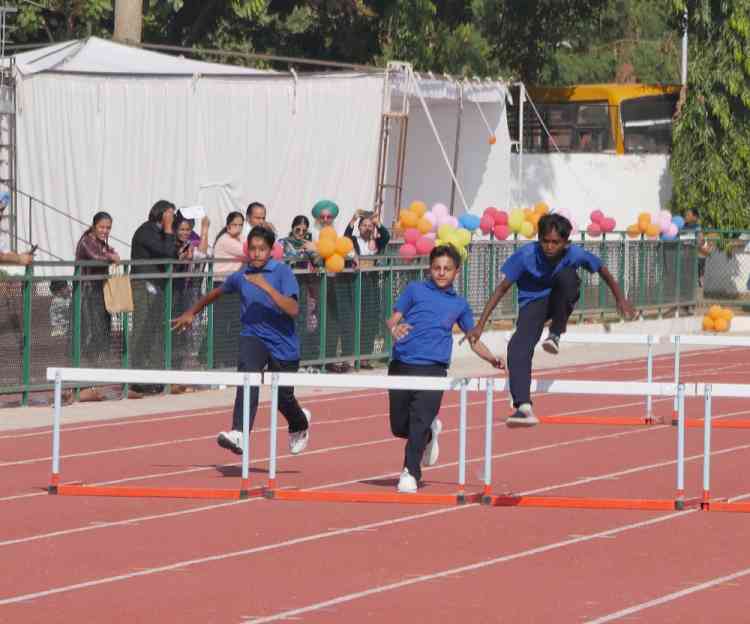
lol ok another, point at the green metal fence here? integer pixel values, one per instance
(724, 267)
(53, 315)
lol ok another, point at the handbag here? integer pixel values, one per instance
(118, 294)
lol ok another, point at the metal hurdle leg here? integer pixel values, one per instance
(274, 433)
(462, 443)
(55, 478)
(245, 483)
(676, 407)
(489, 413)
(705, 502)
(680, 497)
(649, 419)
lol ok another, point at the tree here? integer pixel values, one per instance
(711, 138)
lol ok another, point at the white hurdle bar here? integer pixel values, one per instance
(622, 339)
(118, 376)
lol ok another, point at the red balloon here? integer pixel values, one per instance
(597, 216)
(486, 223)
(607, 224)
(491, 211)
(501, 217)
(501, 231)
(424, 245)
(594, 230)
(412, 235)
(407, 251)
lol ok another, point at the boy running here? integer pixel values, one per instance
(548, 288)
(422, 325)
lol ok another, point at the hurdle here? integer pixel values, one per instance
(679, 502)
(200, 378)
(614, 339)
(709, 391)
(711, 341)
(463, 385)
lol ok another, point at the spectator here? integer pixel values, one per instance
(369, 238)
(339, 297)
(154, 240)
(693, 226)
(255, 215)
(228, 244)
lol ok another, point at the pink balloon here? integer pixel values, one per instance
(486, 224)
(407, 251)
(445, 220)
(424, 245)
(453, 221)
(501, 217)
(597, 216)
(594, 230)
(573, 226)
(431, 218)
(412, 235)
(673, 230)
(431, 235)
(277, 251)
(664, 222)
(501, 231)
(491, 211)
(607, 224)
(440, 210)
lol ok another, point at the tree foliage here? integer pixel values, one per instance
(711, 153)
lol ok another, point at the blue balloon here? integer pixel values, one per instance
(678, 221)
(469, 221)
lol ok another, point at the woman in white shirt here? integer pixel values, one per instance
(228, 245)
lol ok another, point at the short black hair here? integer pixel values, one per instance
(57, 286)
(262, 232)
(695, 211)
(446, 250)
(158, 209)
(555, 223)
(253, 205)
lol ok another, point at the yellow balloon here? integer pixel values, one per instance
(515, 220)
(445, 230)
(418, 208)
(408, 219)
(439, 242)
(464, 236)
(527, 229)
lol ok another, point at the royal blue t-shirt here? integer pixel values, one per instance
(260, 316)
(431, 312)
(533, 274)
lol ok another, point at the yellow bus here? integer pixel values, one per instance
(604, 118)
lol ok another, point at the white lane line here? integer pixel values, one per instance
(669, 597)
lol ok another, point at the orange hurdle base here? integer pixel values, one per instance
(573, 502)
(620, 421)
(724, 506)
(154, 492)
(333, 496)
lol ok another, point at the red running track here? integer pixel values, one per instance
(71, 559)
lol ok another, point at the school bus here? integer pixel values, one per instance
(605, 118)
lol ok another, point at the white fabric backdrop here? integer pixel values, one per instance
(89, 143)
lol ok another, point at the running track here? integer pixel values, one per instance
(74, 560)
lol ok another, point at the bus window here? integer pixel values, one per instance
(647, 124)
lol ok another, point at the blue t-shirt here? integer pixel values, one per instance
(533, 274)
(260, 316)
(431, 312)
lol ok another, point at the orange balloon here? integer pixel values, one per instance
(334, 264)
(721, 325)
(328, 232)
(535, 219)
(643, 225)
(652, 231)
(408, 219)
(527, 212)
(644, 216)
(727, 314)
(326, 247)
(708, 323)
(344, 245)
(424, 225)
(418, 208)
(541, 208)
(634, 231)
(714, 312)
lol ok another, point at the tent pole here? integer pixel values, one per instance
(521, 101)
(459, 115)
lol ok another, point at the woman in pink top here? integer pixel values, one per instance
(228, 244)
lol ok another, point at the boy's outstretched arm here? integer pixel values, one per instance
(473, 334)
(483, 352)
(624, 306)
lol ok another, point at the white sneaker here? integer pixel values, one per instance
(406, 483)
(522, 417)
(231, 440)
(432, 451)
(299, 439)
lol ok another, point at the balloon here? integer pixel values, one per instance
(535, 219)
(439, 242)
(491, 211)
(453, 221)
(463, 236)
(644, 223)
(597, 216)
(645, 217)
(334, 264)
(431, 218)
(326, 248)
(418, 208)
(408, 219)
(594, 230)
(721, 325)
(431, 235)
(714, 312)
(445, 220)
(424, 225)
(678, 221)
(469, 221)
(708, 323)
(445, 230)
(277, 251)
(665, 214)
(424, 245)
(607, 224)
(727, 314)
(486, 224)
(407, 251)
(541, 208)
(515, 220)
(573, 226)
(412, 235)
(633, 231)
(501, 217)
(344, 245)
(671, 232)
(652, 230)
(501, 232)
(440, 210)
(527, 212)
(527, 229)
(328, 232)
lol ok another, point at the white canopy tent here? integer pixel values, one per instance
(103, 126)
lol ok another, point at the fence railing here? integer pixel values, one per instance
(724, 266)
(54, 315)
